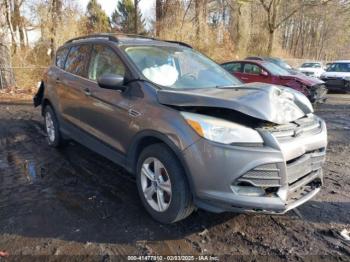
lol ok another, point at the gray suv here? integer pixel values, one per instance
(192, 134)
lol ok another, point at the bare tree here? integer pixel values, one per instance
(56, 12)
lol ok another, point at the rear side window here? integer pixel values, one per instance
(78, 59)
(252, 69)
(61, 56)
(233, 67)
(104, 61)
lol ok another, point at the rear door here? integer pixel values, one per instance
(71, 83)
(105, 112)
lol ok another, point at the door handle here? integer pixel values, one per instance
(58, 81)
(87, 92)
(244, 78)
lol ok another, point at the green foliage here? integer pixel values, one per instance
(123, 18)
(97, 19)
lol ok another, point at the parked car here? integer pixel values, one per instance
(192, 134)
(315, 69)
(249, 71)
(277, 61)
(337, 76)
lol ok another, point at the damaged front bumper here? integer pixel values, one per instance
(279, 175)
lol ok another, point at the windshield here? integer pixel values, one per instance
(275, 70)
(311, 65)
(339, 67)
(178, 67)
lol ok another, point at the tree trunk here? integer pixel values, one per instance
(197, 19)
(8, 15)
(56, 11)
(159, 16)
(18, 22)
(270, 42)
(7, 79)
(136, 16)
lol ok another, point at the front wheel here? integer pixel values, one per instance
(162, 185)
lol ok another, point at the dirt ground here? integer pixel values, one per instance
(74, 202)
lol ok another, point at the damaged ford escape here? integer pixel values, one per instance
(192, 134)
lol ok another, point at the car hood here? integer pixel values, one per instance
(336, 74)
(276, 104)
(306, 80)
(310, 69)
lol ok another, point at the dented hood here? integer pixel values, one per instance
(271, 103)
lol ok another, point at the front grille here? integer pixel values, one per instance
(262, 176)
(306, 164)
(303, 126)
(299, 192)
(309, 73)
(334, 81)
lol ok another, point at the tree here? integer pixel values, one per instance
(127, 18)
(56, 14)
(6, 73)
(97, 19)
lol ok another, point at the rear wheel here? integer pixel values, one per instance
(162, 185)
(54, 137)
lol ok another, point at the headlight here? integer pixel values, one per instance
(347, 78)
(220, 130)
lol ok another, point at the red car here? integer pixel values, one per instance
(249, 71)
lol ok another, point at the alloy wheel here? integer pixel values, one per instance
(156, 184)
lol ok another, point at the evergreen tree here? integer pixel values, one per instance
(97, 19)
(123, 18)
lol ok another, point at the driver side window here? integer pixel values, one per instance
(104, 61)
(252, 69)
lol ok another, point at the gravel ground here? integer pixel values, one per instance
(74, 202)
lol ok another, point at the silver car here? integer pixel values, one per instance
(192, 134)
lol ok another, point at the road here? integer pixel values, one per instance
(74, 202)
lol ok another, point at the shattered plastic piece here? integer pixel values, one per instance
(345, 234)
(4, 254)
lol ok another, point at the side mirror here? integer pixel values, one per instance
(112, 81)
(264, 73)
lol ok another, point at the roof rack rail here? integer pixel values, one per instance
(114, 37)
(136, 35)
(110, 37)
(178, 42)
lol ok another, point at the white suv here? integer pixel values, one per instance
(314, 69)
(337, 76)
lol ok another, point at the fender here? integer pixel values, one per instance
(134, 151)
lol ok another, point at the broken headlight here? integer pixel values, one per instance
(221, 131)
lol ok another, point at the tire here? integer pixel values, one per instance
(178, 204)
(54, 137)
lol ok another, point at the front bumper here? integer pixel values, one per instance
(337, 84)
(290, 166)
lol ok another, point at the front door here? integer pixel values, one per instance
(252, 73)
(104, 114)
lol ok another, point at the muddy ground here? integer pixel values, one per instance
(74, 202)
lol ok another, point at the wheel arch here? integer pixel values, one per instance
(147, 138)
(46, 102)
